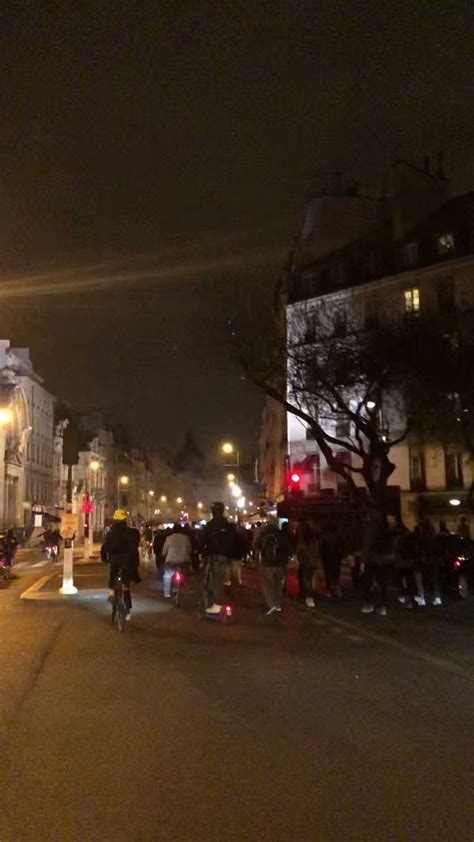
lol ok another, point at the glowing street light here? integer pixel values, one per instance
(124, 480)
(6, 415)
(94, 465)
(151, 493)
(200, 505)
(179, 500)
(230, 477)
(163, 498)
(228, 448)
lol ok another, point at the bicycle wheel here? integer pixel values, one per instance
(121, 614)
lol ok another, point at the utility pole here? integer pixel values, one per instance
(70, 521)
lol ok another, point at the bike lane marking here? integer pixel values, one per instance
(360, 634)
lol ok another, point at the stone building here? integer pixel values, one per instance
(26, 440)
(418, 261)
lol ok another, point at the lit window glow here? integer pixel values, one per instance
(412, 300)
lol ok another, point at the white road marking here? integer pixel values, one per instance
(36, 586)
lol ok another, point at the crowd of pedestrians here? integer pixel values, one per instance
(413, 562)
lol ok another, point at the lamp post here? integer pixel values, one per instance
(87, 508)
(122, 483)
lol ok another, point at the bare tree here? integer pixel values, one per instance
(352, 388)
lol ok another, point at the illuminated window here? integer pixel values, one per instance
(446, 243)
(412, 301)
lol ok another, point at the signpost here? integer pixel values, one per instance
(70, 521)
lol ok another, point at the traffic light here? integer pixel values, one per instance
(294, 482)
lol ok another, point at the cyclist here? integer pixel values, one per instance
(176, 553)
(120, 550)
(217, 546)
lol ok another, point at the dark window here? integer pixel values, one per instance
(343, 429)
(453, 467)
(372, 319)
(446, 302)
(340, 327)
(417, 469)
(410, 254)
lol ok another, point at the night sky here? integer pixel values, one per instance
(155, 158)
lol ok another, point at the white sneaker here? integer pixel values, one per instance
(271, 611)
(309, 601)
(128, 616)
(420, 601)
(227, 584)
(214, 609)
(367, 609)
(402, 599)
(382, 611)
(437, 600)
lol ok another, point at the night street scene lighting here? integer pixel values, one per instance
(237, 422)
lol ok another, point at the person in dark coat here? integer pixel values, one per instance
(331, 548)
(120, 550)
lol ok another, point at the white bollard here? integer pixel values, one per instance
(68, 588)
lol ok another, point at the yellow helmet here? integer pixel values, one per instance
(120, 514)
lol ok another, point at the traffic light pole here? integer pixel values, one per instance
(68, 588)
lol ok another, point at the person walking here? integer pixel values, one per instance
(376, 558)
(332, 553)
(307, 553)
(274, 548)
(216, 544)
(463, 530)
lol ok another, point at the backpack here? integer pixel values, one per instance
(270, 546)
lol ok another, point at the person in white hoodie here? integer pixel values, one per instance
(177, 551)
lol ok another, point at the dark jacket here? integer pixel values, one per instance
(284, 547)
(120, 548)
(218, 537)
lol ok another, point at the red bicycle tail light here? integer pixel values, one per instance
(179, 576)
(228, 611)
(457, 563)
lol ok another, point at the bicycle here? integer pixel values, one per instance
(177, 583)
(119, 606)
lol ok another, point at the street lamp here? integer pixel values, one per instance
(231, 477)
(229, 449)
(87, 508)
(179, 500)
(6, 415)
(122, 482)
(200, 506)
(163, 498)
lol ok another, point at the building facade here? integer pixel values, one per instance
(418, 262)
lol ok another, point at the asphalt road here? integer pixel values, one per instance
(313, 727)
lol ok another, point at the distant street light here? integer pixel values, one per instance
(179, 499)
(228, 448)
(6, 415)
(122, 482)
(231, 477)
(200, 506)
(163, 498)
(94, 465)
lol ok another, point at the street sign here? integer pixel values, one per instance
(69, 525)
